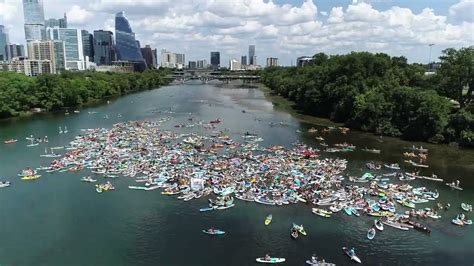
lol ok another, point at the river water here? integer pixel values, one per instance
(57, 220)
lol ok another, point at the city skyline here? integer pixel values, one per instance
(283, 29)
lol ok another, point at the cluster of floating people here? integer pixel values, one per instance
(190, 166)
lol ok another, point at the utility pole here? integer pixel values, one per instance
(429, 60)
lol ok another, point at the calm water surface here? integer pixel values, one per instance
(58, 220)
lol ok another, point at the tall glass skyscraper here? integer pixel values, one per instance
(34, 19)
(252, 57)
(4, 42)
(126, 45)
(215, 60)
(103, 47)
(73, 49)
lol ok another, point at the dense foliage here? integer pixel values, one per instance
(19, 93)
(383, 94)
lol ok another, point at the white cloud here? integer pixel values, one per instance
(78, 15)
(462, 11)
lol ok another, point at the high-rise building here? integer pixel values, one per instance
(88, 45)
(34, 19)
(234, 65)
(126, 45)
(201, 64)
(215, 60)
(154, 53)
(147, 54)
(73, 50)
(192, 65)
(252, 56)
(243, 60)
(52, 50)
(104, 52)
(180, 60)
(272, 62)
(15, 50)
(168, 59)
(60, 23)
(4, 42)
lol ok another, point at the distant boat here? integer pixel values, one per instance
(10, 141)
(371, 150)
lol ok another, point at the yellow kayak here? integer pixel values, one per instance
(31, 177)
(268, 220)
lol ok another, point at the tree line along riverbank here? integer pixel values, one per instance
(19, 94)
(385, 95)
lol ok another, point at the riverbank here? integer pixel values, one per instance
(19, 94)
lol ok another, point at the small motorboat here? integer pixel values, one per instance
(371, 233)
(379, 225)
(351, 254)
(88, 179)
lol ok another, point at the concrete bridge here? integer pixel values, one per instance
(207, 75)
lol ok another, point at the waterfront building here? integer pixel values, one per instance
(87, 46)
(60, 23)
(73, 49)
(27, 66)
(243, 60)
(15, 50)
(215, 60)
(234, 65)
(272, 62)
(4, 42)
(252, 56)
(127, 47)
(51, 50)
(103, 47)
(34, 19)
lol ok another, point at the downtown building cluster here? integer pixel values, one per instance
(52, 46)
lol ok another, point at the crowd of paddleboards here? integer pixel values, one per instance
(191, 166)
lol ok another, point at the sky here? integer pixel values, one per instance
(284, 29)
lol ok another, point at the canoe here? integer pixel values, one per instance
(353, 257)
(271, 260)
(31, 177)
(348, 211)
(371, 233)
(5, 184)
(268, 220)
(457, 222)
(320, 213)
(379, 225)
(395, 225)
(214, 232)
(468, 222)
